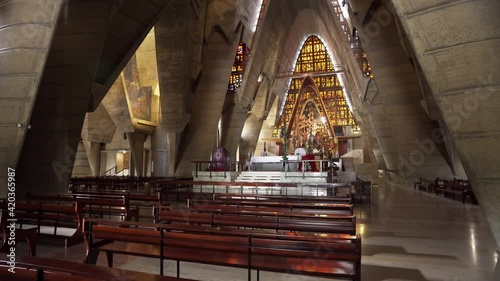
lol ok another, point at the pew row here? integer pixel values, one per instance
(55, 214)
(282, 198)
(276, 223)
(29, 234)
(332, 258)
(292, 206)
(345, 215)
(101, 205)
(46, 269)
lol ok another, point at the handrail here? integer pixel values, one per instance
(121, 171)
(105, 173)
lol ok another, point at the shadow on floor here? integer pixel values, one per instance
(382, 273)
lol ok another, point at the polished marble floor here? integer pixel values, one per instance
(407, 235)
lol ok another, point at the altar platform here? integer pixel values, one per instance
(271, 163)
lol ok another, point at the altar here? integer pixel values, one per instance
(272, 163)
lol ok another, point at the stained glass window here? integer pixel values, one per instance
(236, 78)
(330, 102)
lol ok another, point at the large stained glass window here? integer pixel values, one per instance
(236, 78)
(360, 55)
(323, 96)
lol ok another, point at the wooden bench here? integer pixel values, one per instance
(289, 198)
(362, 191)
(186, 189)
(456, 189)
(332, 258)
(54, 214)
(292, 206)
(100, 205)
(424, 184)
(261, 233)
(28, 268)
(253, 222)
(269, 212)
(139, 200)
(21, 234)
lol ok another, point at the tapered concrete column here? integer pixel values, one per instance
(26, 31)
(94, 155)
(63, 97)
(249, 136)
(159, 151)
(207, 102)
(174, 54)
(136, 141)
(173, 144)
(232, 119)
(406, 135)
(457, 44)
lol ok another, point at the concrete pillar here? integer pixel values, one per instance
(159, 152)
(63, 97)
(405, 132)
(249, 136)
(131, 171)
(173, 145)
(94, 155)
(136, 141)
(457, 44)
(233, 117)
(207, 102)
(26, 31)
(174, 53)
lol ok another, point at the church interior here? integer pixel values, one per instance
(249, 139)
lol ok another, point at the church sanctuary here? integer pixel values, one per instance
(248, 140)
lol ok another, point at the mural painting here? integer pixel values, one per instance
(139, 97)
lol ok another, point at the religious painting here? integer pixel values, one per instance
(139, 97)
(310, 128)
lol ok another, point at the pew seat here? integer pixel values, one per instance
(332, 258)
(60, 270)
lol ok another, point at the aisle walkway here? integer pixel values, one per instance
(412, 235)
(407, 235)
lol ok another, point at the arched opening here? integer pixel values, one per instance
(316, 113)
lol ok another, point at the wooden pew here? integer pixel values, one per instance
(283, 198)
(362, 191)
(426, 185)
(27, 269)
(261, 233)
(269, 212)
(56, 214)
(21, 234)
(292, 206)
(456, 189)
(254, 222)
(184, 188)
(93, 204)
(139, 200)
(126, 184)
(332, 258)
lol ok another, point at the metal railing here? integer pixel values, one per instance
(302, 167)
(108, 172)
(217, 166)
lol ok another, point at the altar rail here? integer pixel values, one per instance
(271, 188)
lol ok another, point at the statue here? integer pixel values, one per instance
(285, 145)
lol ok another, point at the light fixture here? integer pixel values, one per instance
(261, 77)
